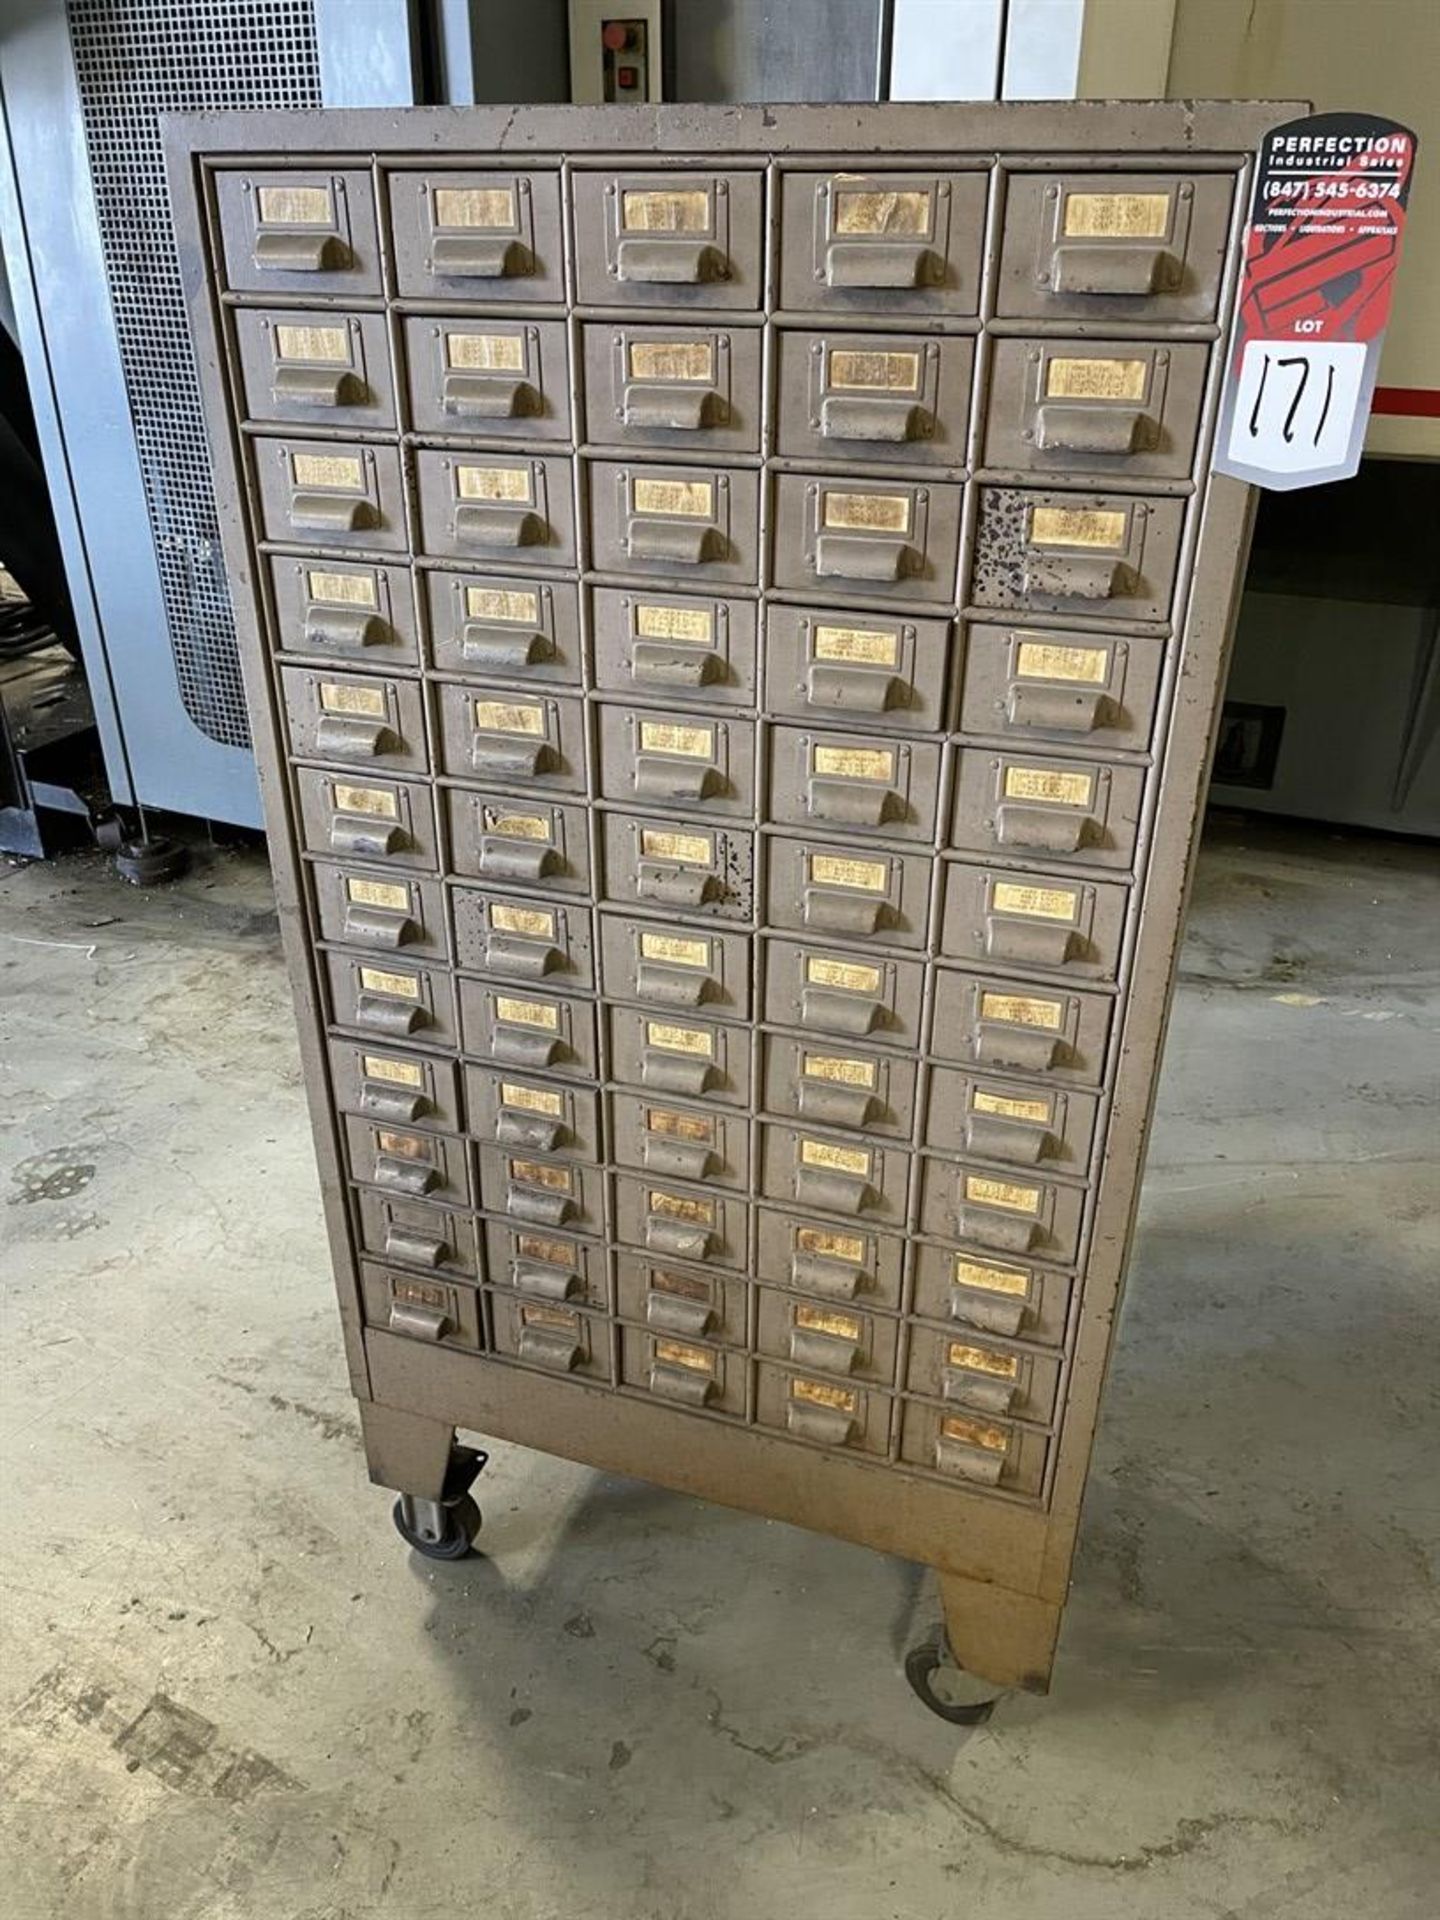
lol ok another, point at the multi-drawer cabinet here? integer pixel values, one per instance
(717, 593)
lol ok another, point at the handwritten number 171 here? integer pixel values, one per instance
(1287, 430)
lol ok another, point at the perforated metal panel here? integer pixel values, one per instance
(134, 60)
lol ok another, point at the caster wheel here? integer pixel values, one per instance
(439, 1532)
(150, 863)
(943, 1686)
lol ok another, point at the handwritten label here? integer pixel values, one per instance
(871, 211)
(527, 1013)
(1014, 1282)
(1079, 527)
(378, 893)
(689, 743)
(854, 763)
(347, 697)
(833, 1159)
(985, 1192)
(398, 1073)
(679, 499)
(327, 346)
(695, 624)
(656, 211)
(852, 371)
(338, 471)
(1034, 903)
(848, 976)
(1049, 784)
(492, 209)
(486, 352)
(395, 986)
(343, 589)
(838, 1069)
(295, 206)
(831, 870)
(867, 512)
(865, 646)
(1095, 379)
(1022, 1010)
(1045, 660)
(535, 923)
(674, 951)
(378, 802)
(672, 360)
(686, 849)
(1117, 216)
(514, 605)
(507, 716)
(495, 483)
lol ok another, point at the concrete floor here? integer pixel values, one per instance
(230, 1694)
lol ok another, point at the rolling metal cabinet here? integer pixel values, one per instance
(734, 608)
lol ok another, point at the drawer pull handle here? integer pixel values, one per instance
(675, 1073)
(658, 665)
(672, 1314)
(1050, 829)
(527, 1047)
(679, 408)
(829, 1425)
(839, 1106)
(676, 886)
(522, 959)
(421, 1249)
(1036, 945)
(855, 803)
(664, 1235)
(833, 1279)
(391, 1103)
(977, 1464)
(1071, 579)
(825, 1352)
(348, 738)
(353, 836)
(684, 1159)
(867, 263)
(375, 927)
(506, 760)
(344, 627)
(687, 1385)
(538, 1206)
(853, 689)
(548, 1283)
(302, 253)
(830, 1011)
(1013, 1141)
(1059, 709)
(974, 1390)
(531, 1130)
(478, 396)
(669, 263)
(518, 860)
(385, 1015)
(849, 556)
(675, 543)
(833, 1191)
(319, 387)
(332, 513)
(1010, 1232)
(842, 912)
(887, 421)
(675, 986)
(989, 1313)
(657, 777)
(501, 649)
(419, 1323)
(457, 256)
(1111, 269)
(1112, 430)
(1000, 1044)
(550, 1347)
(502, 528)
(412, 1177)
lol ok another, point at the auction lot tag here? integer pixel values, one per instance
(1326, 222)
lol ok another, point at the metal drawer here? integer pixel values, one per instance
(407, 1162)
(821, 1412)
(675, 968)
(329, 369)
(691, 525)
(666, 1218)
(535, 1032)
(978, 1451)
(542, 943)
(661, 1137)
(1009, 1213)
(546, 1265)
(833, 890)
(488, 379)
(385, 912)
(1017, 1124)
(871, 538)
(684, 1373)
(354, 720)
(688, 1303)
(307, 230)
(852, 1179)
(694, 763)
(418, 1307)
(651, 862)
(1089, 689)
(884, 243)
(843, 996)
(534, 1190)
(502, 510)
(528, 1115)
(695, 649)
(829, 1261)
(1107, 556)
(411, 1234)
(894, 399)
(673, 387)
(357, 815)
(490, 237)
(670, 1053)
(868, 785)
(344, 609)
(983, 1375)
(830, 1084)
(825, 1338)
(1014, 1298)
(391, 1000)
(331, 494)
(1051, 1031)
(513, 739)
(555, 1339)
(530, 842)
(407, 1089)
(655, 239)
(1033, 922)
(504, 627)
(1028, 805)
(868, 669)
(1130, 408)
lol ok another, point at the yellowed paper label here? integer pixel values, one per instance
(348, 697)
(868, 512)
(527, 1013)
(377, 801)
(1117, 216)
(820, 1393)
(679, 1126)
(1079, 527)
(1007, 1106)
(682, 210)
(880, 212)
(690, 743)
(975, 1433)
(1011, 1281)
(398, 986)
(824, 1153)
(535, 923)
(851, 371)
(399, 1073)
(843, 1326)
(1044, 660)
(867, 646)
(672, 360)
(1022, 1010)
(535, 1173)
(517, 826)
(295, 206)
(343, 589)
(495, 483)
(1096, 379)
(681, 1286)
(1034, 903)
(378, 893)
(687, 849)
(674, 951)
(831, 870)
(1050, 784)
(679, 1206)
(338, 470)
(986, 1192)
(508, 716)
(681, 499)
(550, 1253)
(842, 1071)
(673, 1039)
(489, 208)
(829, 1245)
(849, 976)
(696, 624)
(675, 1353)
(855, 763)
(1004, 1366)
(405, 1146)
(532, 1316)
(419, 1293)
(532, 1099)
(486, 352)
(516, 605)
(329, 346)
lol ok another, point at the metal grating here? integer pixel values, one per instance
(134, 60)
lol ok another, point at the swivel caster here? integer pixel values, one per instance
(441, 1531)
(962, 1698)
